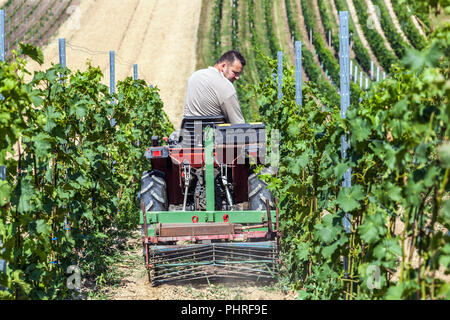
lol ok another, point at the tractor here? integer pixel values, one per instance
(205, 212)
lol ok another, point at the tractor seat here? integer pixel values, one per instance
(189, 122)
(187, 137)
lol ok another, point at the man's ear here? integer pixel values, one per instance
(222, 66)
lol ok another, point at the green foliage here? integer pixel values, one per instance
(361, 53)
(408, 27)
(73, 180)
(398, 205)
(394, 38)
(311, 68)
(273, 42)
(376, 42)
(216, 26)
(235, 25)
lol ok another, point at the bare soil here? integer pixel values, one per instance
(377, 23)
(159, 36)
(395, 21)
(134, 284)
(352, 12)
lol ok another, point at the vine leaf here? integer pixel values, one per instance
(33, 52)
(41, 226)
(348, 198)
(373, 228)
(329, 229)
(418, 60)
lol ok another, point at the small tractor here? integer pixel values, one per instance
(205, 212)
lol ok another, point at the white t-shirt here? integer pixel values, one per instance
(209, 93)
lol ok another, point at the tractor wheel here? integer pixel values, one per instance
(258, 192)
(153, 193)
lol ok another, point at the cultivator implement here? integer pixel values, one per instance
(208, 236)
(180, 252)
(247, 260)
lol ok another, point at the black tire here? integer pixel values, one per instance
(258, 192)
(153, 193)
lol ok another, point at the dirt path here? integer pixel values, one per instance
(395, 21)
(305, 35)
(373, 15)
(283, 34)
(159, 36)
(319, 25)
(361, 35)
(417, 25)
(134, 284)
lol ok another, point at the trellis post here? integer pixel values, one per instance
(2, 167)
(371, 69)
(345, 95)
(112, 79)
(62, 52)
(298, 73)
(2, 35)
(280, 74)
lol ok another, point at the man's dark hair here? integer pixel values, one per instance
(230, 56)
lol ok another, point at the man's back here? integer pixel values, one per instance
(209, 93)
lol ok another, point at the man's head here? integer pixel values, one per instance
(231, 64)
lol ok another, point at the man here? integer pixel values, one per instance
(210, 91)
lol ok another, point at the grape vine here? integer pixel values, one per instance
(72, 178)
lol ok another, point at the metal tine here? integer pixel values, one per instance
(180, 254)
(229, 265)
(254, 249)
(246, 254)
(177, 273)
(203, 257)
(183, 256)
(243, 252)
(230, 269)
(191, 277)
(194, 276)
(215, 262)
(179, 250)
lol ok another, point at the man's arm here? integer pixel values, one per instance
(231, 109)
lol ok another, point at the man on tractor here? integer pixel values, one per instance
(210, 91)
(200, 183)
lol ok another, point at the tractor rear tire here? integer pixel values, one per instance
(258, 192)
(153, 193)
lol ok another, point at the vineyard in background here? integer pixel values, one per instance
(33, 22)
(396, 245)
(261, 28)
